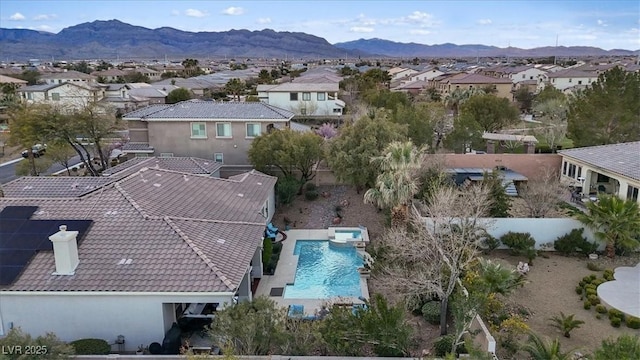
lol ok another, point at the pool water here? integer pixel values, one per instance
(356, 234)
(324, 271)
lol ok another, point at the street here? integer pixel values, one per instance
(8, 171)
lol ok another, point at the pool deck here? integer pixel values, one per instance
(286, 271)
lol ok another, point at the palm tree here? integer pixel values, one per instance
(539, 349)
(565, 323)
(235, 86)
(615, 221)
(458, 97)
(496, 278)
(397, 183)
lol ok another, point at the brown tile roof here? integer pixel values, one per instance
(197, 236)
(182, 164)
(572, 73)
(53, 187)
(465, 78)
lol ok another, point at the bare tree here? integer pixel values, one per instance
(553, 114)
(428, 257)
(542, 195)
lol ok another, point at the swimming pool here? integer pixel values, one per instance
(324, 271)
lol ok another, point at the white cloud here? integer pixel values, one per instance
(233, 11)
(264, 20)
(45, 17)
(419, 32)
(601, 23)
(484, 21)
(361, 29)
(17, 17)
(419, 16)
(196, 13)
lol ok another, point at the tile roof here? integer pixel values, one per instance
(178, 236)
(622, 159)
(306, 86)
(53, 187)
(70, 74)
(187, 165)
(8, 79)
(572, 73)
(210, 110)
(464, 78)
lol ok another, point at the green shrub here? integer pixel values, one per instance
(582, 283)
(592, 277)
(310, 186)
(311, 195)
(616, 321)
(579, 290)
(615, 313)
(601, 309)
(597, 282)
(287, 189)
(571, 242)
(277, 248)
(443, 345)
(633, 322)
(599, 316)
(593, 266)
(91, 347)
(431, 312)
(590, 292)
(587, 305)
(518, 242)
(587, 247)
(490, 243)
(590, 286)
(267, 250)
(593, 299)
(608, 275)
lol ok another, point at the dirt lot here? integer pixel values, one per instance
(551, 289)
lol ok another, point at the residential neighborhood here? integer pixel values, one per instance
(254, 193)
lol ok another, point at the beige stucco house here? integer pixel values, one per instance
(221, 131)
(609, 169)
(463, 81)
(64, 94)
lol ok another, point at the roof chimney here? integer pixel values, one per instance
(65, 250)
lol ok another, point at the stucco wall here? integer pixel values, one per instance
(282, 100)
(138, 317)
(543, 230)
(532, 166)
(175, 137)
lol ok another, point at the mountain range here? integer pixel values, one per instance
(111, 39)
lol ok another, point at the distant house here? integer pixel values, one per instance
(220, 131)
(398, 73)
(568, 79)
(142, 248)
(71, 76)
(65, 94)
(413, 87)
(152, 74)
(11, 80)
(609, 169)
(305, 97)
(111, 75)
(425, 75)
(517, 74)
(463, 81)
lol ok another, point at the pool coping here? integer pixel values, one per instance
(287, 264)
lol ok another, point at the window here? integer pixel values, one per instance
(632, 193)
(570, 80)
(572, 171)
(223, 130)
(253, 130)
(166, 155)
(30, 96)
(579, 82)
(303, 111)
(579, 171)
(55, 96)
(321, 97)
(337, 111)
(293, 96)
(142, 155)
(198, 130)
(564, 168)
(306, 96)
(46, 96)
(218, 157)
(524, 76)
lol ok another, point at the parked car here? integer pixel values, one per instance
(37, 150)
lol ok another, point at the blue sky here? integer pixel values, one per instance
(525, 24)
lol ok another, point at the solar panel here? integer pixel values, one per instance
(21, 238)
(18, 212)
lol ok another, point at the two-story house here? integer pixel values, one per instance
(63, 94)
(71, 76)
(222, 131)
(463, 81)
(111, 75)
(304, 98)
(425, 75)
(568, 79)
